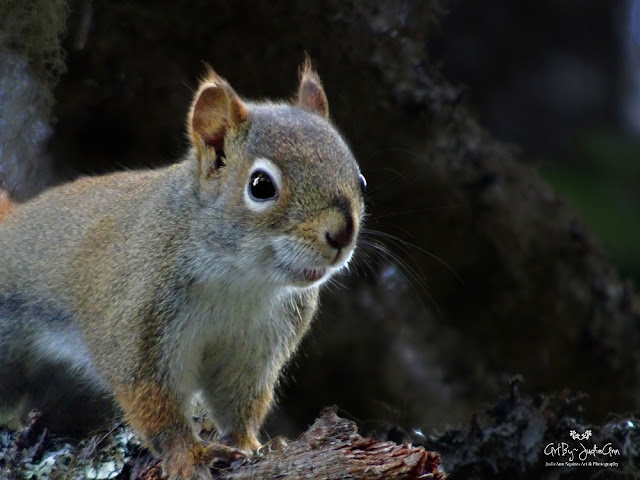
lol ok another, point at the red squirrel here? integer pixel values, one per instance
(143, 288)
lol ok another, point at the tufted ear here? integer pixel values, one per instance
(311, 96)
(216, 107)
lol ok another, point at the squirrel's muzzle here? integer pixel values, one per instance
(340, 230)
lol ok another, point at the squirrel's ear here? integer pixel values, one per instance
(216, 108)
(311, 96)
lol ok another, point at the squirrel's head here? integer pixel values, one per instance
(280, 193)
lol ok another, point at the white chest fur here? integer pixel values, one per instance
(228, 335)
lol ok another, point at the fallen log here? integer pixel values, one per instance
(331, 449)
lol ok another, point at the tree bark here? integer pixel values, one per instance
(332, 449)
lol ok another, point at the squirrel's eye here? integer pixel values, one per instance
(363, 184)
(261, 186)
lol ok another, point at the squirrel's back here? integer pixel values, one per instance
(42, 239)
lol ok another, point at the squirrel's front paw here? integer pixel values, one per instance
(241, 441)
(275, 444)
(188, 464)
(217, 453)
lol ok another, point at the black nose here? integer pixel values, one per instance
(341, 237)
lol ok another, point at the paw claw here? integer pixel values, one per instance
(239, 461)
(275, 444)
(222, 456)
(247, 443)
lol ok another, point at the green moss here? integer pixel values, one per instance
(602, 183)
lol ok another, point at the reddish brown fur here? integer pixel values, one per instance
(152, 410)
(257, 410)
(311, 96)
(149, 407)
(216, 108)
(5, 204)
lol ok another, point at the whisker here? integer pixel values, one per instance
(412, 212)
(398, 149)
(362, 258)
(333, 282)
(390, 180)
(406, 246)
(389, 255)
(404, 269)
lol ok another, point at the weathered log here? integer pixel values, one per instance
(331, 449)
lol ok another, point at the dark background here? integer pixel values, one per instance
(561, 80)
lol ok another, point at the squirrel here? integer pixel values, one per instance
(140, 289)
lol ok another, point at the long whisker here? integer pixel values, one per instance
(406, 246)
(389, 255)
(333, 282)
(390, 180)
(404, 268)
(363, 258)
(412, 212)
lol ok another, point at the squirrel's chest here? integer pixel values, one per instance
(225, 334)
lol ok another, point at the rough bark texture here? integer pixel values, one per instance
(520, 437)
(331, 449)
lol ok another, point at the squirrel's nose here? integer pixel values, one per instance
(342, 236)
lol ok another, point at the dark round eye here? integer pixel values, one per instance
(363, 184)
(261, 186)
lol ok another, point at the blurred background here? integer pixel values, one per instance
(562, 81)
